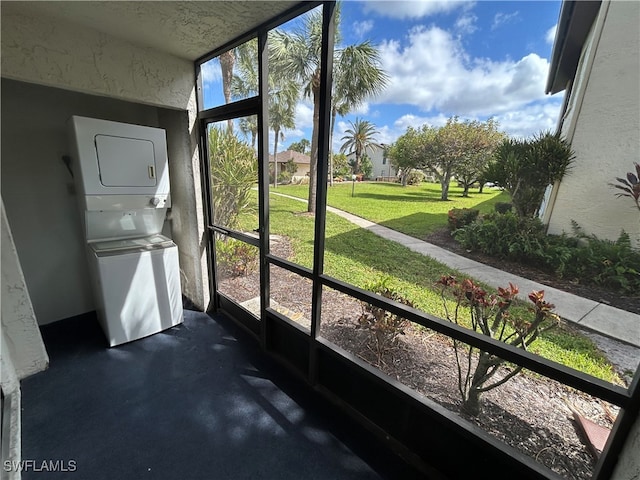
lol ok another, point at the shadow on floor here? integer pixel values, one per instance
(199, 401)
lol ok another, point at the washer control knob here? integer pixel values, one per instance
(155, 201)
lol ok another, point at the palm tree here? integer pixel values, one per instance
(282, 105)
(227, 59)
(283, 95)
(356, 76)
(244, 83)
(299, 54)
(359, 139)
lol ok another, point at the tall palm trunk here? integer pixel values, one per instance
(227, 60)
(313, 167)
(275, 159)
(334, 113)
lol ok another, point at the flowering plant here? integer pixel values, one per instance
(489, 314)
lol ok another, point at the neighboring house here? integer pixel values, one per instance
(596, 61)
(301, 160)
(382, 168)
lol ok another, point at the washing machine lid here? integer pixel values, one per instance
(132, 244)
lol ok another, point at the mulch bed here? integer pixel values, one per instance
(530, 413)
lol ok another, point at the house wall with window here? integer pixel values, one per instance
(601, 119)
(382, 167)
(53, 69)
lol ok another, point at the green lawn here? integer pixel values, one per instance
(358, 256)
(413, 210)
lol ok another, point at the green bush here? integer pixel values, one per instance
(614, 265)
(525, 168)
(235, 258)
(505, 236)
(503, 207)
(459, 217)
(234, 172)
(415, 177)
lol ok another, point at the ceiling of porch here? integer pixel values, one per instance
(186, 30)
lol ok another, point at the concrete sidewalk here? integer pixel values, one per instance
(601, 318)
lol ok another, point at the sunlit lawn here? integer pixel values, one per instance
(358, 256)
(413, 210)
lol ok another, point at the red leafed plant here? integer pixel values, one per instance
(630, 186)
(489, 314)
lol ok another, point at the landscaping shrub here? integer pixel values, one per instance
(615, 265)
(459, 217)
(415, 177)
(234, 171)
(489, 315)
(383, 325)
(235, 258)
(503, 207)
(505, 236)
(525, 168)
(612, 264)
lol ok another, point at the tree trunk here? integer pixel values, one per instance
(275, 160)
(471, 404)
(481, 187)
(333, 123)
(465, 192)
(313, 167)
(227, 60)
(444, 184)
(404, 178)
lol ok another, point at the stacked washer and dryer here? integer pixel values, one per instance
(122, 181)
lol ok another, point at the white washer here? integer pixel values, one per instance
(137, 286)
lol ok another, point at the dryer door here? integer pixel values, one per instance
(125, 162)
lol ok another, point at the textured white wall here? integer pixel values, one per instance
(56, 53)
(21, 341)
(606, 130)
(628, 467)
(187, 214)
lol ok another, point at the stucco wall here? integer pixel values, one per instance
(187, 215)
(60, 54)
(628, 467)
(603, 126)
(23, 352)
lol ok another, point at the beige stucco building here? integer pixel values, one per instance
(596, 60)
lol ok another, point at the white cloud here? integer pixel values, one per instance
(531, 119)
(211, 72)
(466, 23)
(433, 71)
(551, 34)
(415, 121)
(413, 9)
(361, 28)
(502, 18)
(304, 115)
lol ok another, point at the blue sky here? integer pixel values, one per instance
(471, 59)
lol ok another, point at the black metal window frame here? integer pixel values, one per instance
(310, 350)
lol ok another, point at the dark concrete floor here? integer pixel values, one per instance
(199, 401)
